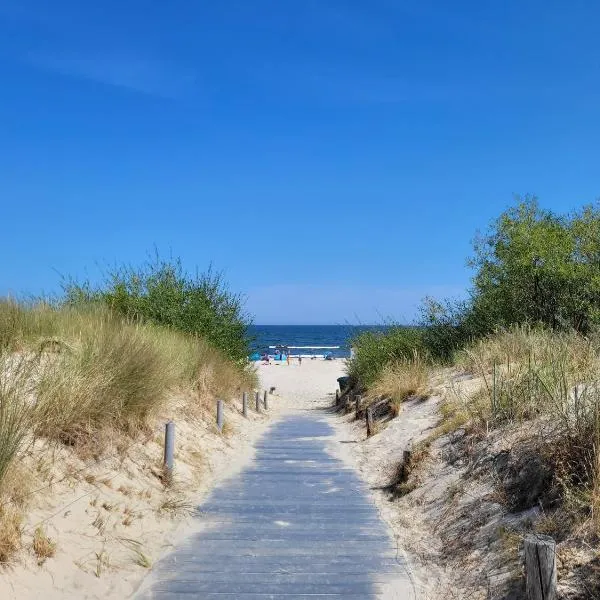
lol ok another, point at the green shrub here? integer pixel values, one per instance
(374, 350)
(162, 293)
(531, 267)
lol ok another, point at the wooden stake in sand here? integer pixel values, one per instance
(265, 401)
(245, 404)
(169, 454)
(220, 417)
(540, 567)
(357, 400)
(369, 419)
(257, 398)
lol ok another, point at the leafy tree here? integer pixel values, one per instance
(534, 266)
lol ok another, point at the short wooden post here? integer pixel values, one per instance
(169, 454)
(265, 401)
(337, 397)
(257, 398)
(245, 404)
(369, 419)
(357, 400)
(220, 415)
(540, 567)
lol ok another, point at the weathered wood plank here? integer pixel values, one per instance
(296, 524)
(540, 567)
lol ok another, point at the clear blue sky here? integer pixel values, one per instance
(334, 157)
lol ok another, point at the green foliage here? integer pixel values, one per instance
(534, 266)
(374, 350)
(531, 267)
(162, 293)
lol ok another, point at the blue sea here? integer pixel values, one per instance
(308, 335)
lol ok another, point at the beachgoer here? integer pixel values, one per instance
(300, 361)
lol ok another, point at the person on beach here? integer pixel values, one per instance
(299, 361)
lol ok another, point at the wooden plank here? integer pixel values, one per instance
(295, 524)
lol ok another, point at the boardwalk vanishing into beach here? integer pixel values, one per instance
(295, 524)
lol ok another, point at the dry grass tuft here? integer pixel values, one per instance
(551, 382)
(42, 545)
(176, 506)
(401, 380)
(10, 532)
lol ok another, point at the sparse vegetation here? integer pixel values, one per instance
(42, 545)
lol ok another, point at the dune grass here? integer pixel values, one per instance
(74, 375)
(550, 381)
(374, 350)
(95, 369)
(400, 380)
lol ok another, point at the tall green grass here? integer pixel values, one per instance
(374, 350)
(16, 406)
(84, 369)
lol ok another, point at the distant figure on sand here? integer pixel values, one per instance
(300, 361)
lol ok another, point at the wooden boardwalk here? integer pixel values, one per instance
(296, 524)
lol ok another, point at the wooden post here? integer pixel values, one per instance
(245, 404)
(257, 398)
(369, 418)
(357, 400)
(337, 397)
(169, 454)
(494, 394)
(220, 415)
(265, 401)
(540, 567)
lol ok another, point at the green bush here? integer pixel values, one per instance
(374, 350)
(162, 293)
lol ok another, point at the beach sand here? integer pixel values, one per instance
(111, 521)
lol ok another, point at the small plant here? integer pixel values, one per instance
(99, 523)
(102, 562)
(42, 545)
(10, 532)
(139, 557)
(176, 506)
(401, 380)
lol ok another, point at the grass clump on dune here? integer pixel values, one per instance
(374, 350)
(548, 387)
(400, 380)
